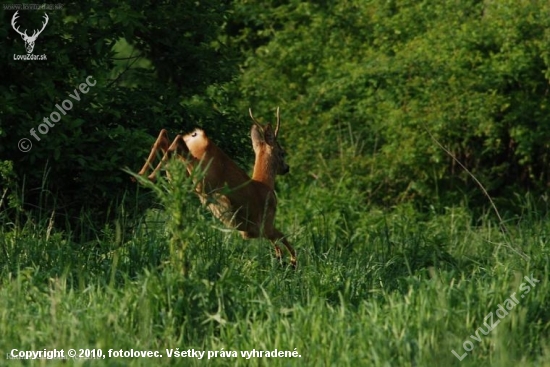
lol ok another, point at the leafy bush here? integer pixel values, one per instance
(155, 66)
(362, 83)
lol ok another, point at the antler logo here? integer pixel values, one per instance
(29, 40)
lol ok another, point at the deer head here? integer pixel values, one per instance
(267, 148)
(29, 40)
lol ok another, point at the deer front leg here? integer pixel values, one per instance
(178, 147)
(162, 143)
(278, 252)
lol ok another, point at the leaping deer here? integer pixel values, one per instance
(29, 40)
(246, 204)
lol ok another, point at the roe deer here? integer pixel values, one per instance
(240, 202)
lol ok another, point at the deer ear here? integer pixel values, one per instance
(269, 135)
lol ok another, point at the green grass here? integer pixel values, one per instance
(373, 288)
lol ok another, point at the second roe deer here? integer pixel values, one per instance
(246, 204)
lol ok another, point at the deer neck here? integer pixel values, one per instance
(264, 170)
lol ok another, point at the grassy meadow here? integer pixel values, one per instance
(373, 287)
(389, 110)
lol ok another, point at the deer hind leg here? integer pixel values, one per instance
(178, 147)
(253, 233)
(162, 143)
(277, 236)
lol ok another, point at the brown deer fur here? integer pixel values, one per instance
(246, 204)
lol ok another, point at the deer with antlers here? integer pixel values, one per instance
(29, 40)
(240, 202)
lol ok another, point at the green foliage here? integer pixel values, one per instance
(156, 66)
(371, 77)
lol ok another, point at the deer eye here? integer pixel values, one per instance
(194, 134)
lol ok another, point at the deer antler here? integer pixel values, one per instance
(261, 127)
(278, 123)
(254, 120)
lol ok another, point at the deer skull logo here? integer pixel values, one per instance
(29, 40)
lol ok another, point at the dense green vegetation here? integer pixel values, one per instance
(402, 258)
(156, 66)
(372, 288)
(372, 77)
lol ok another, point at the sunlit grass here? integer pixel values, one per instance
(376, 288)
